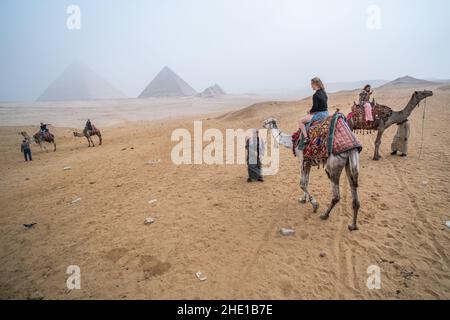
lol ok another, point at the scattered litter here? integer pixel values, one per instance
(76, 200)
(149, 220)
(201, 276)
(447, 224)
(287, 232)
(153, 161)
(424, 182)
(67, 168)
(152, 201)
(30, 225)
(36, 296)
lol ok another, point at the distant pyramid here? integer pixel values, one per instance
(167, 84)
(79, 82)
(213, 91)
(409, 82)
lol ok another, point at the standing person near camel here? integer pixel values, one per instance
(400, 142)
(25, 148)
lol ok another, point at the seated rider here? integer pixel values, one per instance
(43, 128)
(364, 101)
(319, 110)
(88, 125)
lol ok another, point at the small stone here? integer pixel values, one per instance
(36, 296)
(153, 161)
(30, 225)
(152, 201)
(149, 220)
(424, 183)
(447, 224)
(26, 179)
(67, 168)
(287, 232)
(200, 276)
(322, 255)
(398, 292)
(76, 200)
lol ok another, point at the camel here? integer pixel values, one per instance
(50, 138)
(392, 117)
(334, 166)
(88, 134)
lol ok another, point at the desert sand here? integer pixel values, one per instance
(209, 219)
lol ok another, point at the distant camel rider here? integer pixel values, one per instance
(319, 110)
(44, 129)
(364, 101)
(88, 125)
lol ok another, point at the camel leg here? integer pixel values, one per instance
(304, 182)
(352, 170)
(54, 146)
(376, 155)
(89, 141)
(335, 165)
(92, 141)
(99, 139)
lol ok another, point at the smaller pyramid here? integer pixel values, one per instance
(213, 91)
(79, 82)
(408, 82)
(167, 84)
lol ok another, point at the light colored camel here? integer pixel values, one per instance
(50, 138)
(395, 117)
(88, 134)
(334, 167)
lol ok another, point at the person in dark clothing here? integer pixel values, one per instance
(88, 125)
(44, 127)
(25, 148)
(255, 150)
(319, 110)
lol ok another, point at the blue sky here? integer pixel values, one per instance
(245, 46)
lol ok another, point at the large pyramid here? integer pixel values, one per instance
(167, 84)
(79, 82)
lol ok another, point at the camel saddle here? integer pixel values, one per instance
(94, 130)
(330, 136)
(45, 135)
(359, 120)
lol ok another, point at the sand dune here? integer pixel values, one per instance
(209, 219)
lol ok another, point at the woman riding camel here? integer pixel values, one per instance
(364, 101)
(319, 110)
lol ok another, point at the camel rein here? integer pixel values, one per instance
(423, 126)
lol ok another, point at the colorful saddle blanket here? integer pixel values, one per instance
(359, 120)
(333, 135)
(44, 135)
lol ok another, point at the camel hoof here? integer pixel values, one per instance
(315, 207)
(352, 227)
(324, 217)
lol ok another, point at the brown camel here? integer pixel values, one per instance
(389, 117)
(88, 134)
(39, 139)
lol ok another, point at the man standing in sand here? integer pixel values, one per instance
(255, 150)
(400, 143)
(25, 148)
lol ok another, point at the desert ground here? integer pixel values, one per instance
(209, 219)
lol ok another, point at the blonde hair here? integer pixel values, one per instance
(318, 83)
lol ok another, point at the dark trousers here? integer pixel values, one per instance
(27, 154)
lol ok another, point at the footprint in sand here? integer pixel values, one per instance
(152, 267)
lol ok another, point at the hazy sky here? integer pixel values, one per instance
(245, 46)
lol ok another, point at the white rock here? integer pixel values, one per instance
(153, 161)
(424, 182)
(67, 168)
(287, 232)
(447, 224)
(152, 201)
(76, 200)
(200, 276)
(149, 220)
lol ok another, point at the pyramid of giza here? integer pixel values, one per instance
(167, 84)
(213, 91)
(79, 82)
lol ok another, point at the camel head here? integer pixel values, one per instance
(270, 123)
(77, 134)
(420, 95)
